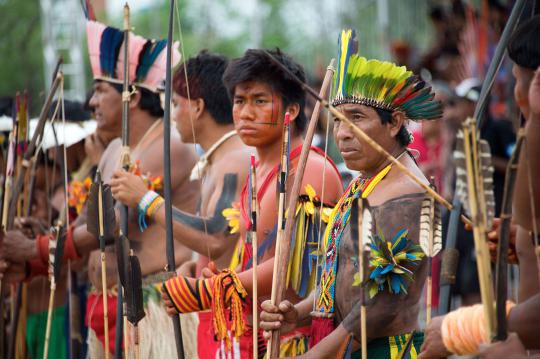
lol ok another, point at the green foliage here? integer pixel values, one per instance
(21, 63)
(306, 29)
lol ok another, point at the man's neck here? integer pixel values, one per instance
(396, 152)
(211, 133)
(270, 155)
(139, 123)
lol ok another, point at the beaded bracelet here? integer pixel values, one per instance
(148, 205)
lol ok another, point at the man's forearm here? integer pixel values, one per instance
(304, 309)
(529, 282)
(329, 346)
(524, 319)
(204, 235)
(529, 165)
(84, 241)
(194, 236)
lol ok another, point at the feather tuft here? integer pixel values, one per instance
(134, 295)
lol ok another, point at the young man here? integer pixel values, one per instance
(394, 95)
(203, 115)
(523, 319)
(147, 70)
(261, 95)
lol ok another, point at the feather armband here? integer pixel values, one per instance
(389, 261)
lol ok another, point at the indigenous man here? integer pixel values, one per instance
(523, 319)
(146, 72)
(203, 115)
(261, 96)
(379, 98)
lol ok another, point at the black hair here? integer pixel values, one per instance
(256, 66)
(524, 47)
(149, 101)
(402, 137)
(204, 75)
(74, 111)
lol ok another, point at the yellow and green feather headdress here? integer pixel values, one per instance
(380, 84)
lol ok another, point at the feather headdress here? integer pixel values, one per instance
(147, 57)
(380, 84)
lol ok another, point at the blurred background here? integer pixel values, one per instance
(36, 32)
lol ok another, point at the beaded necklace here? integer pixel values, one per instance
(339, 219)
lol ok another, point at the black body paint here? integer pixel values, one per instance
(217, 222)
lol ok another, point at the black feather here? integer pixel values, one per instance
(122, 258)
(109, 216)
(134, 293)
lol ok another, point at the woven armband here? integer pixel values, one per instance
(189, 295)
(464, 330)
(70, 252)
(222, 293)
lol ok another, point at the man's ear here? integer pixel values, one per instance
(198, 107)
(294, 110)
(398, 121)
(134, 99)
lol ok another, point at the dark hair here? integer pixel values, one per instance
(149, 102)
(204, 75)
(402, 136)
(524, 47)
(256, 66)
(73, 111)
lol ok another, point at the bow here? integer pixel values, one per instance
(102, 223)
(478, 200)
(121, 319)
(167, 176)
(21, 120)
(11, 192)
(273, 343)
(253, 207)
(450, 255)
(282, 253)
(361, 229)
(56, 242)
(501, 276)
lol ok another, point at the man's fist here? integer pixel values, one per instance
(284, 317)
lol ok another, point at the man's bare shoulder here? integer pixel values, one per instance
(320, 169)
(237, 160)
(397, 184)
(183, 150)
(109, 159)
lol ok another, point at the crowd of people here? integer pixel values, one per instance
(355, 277)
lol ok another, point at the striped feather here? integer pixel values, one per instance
(367, 224)
(430, 227)
(461, 173)
(487, 171)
